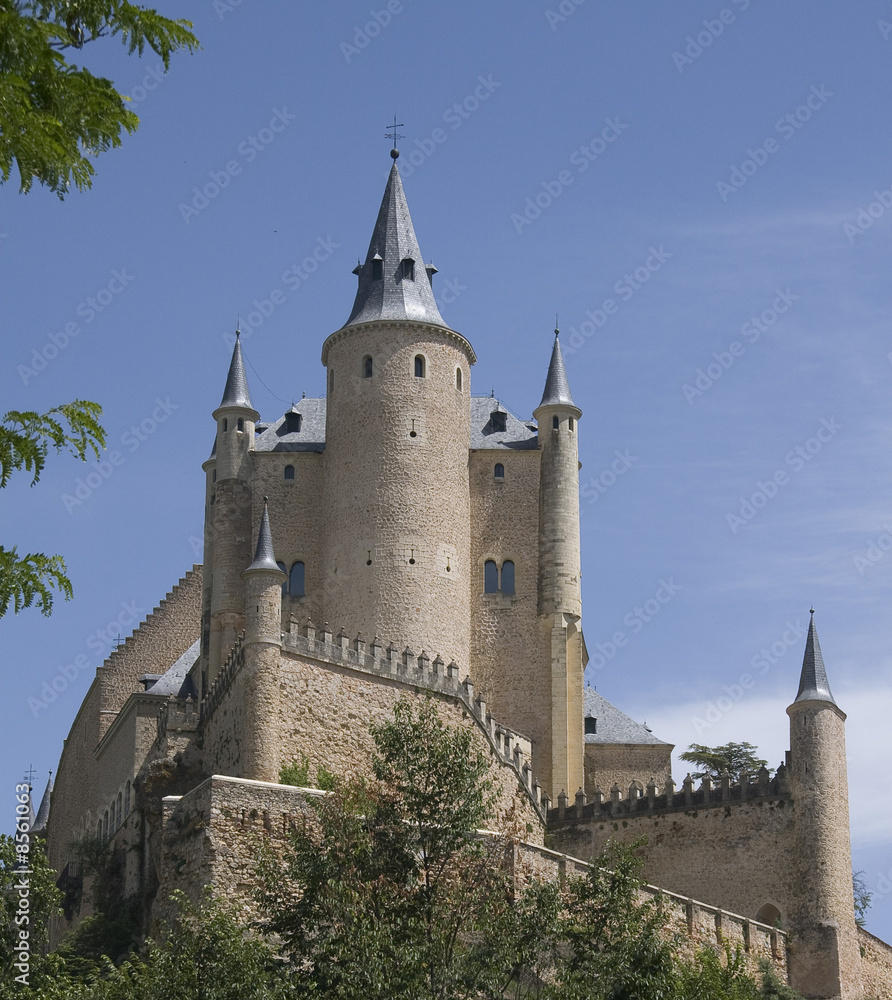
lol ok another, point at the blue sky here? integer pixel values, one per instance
(702, 191)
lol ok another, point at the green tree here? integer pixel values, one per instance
(55, 115)
(863, 897)
(26, 439)
(735, 758)
(390, 892)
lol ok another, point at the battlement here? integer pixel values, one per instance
(640, 800)
(178, 715)
(403, 666)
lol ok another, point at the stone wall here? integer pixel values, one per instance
(876, 966)
(735, 855)
(330, 692)
(609, 764)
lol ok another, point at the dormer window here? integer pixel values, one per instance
(499, 420)
(591, 725)
(377, 267)
(292, 422)
(407, 269)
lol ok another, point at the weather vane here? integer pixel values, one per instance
(393, 134)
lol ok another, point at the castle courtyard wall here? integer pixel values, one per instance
(609, 764)
(876, 965)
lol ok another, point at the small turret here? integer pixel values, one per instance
(825, 957)
(559, 592)
(262, 649)
(229, 514)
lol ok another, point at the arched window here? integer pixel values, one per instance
(490, 577)
(105, 825)
(419, 366)
(240, 426)
(555, 422)
(458, 379)
(407, 269)
(289, 472)
(297, 580)
(225, 425)
(99, 830)
(499, 471)
(367, 366)
(507, 577)
(284, 569)
(769, 914)
(377, 268)
(118, 811)
(127, 799)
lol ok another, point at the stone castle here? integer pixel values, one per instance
(401, 538)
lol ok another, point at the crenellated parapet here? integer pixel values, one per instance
(403, 665)
(639, 799)
(180, 715)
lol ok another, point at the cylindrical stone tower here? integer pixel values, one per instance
(230, 513)
(560, 750)
(825, 959)
(262, 648)
(396, 454)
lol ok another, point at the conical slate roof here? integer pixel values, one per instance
(264, 555)
(43, 813)
(557, 388)
(236, 392)
(813, 683)
(394, 295)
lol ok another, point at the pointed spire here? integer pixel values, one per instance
(43, 813)
(236, 392)
(557, 388)
(394, 284)
(813, 683)
(264, 555)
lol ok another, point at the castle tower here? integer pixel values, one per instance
(396, 453)
(825, 959)
(229, 511)
(262, 649)
(559, 592)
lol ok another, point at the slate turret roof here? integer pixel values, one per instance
(236, 392)
(557, 386)
(813, 683)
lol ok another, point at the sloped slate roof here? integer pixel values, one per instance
(310, 437)
(175, 679)
(518, 434)
(614, 726)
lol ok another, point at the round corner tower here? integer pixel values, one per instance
(396, 453)
(825, 958)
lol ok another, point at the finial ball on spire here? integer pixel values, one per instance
(395, 153)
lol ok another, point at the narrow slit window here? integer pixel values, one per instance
(419, 366)
(555, 422)
(297, 580)
(367, 366)
(507, 577)
(458, 379)
(490, 577)
(225, 425)
(289, 472)
(571, 424)
(499, 471)
(240, 426)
